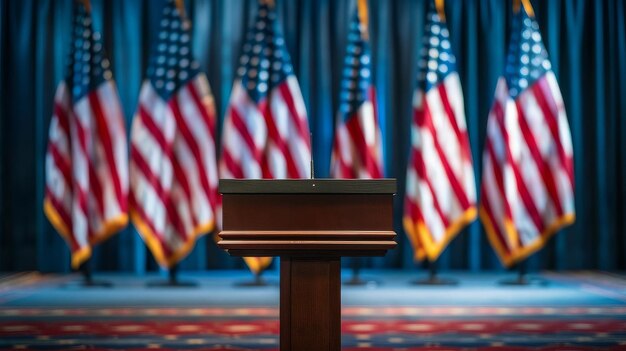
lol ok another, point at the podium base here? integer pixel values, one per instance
(89, 284)
(435, 281)
(171, 284)
(523, 281)
(357, 281)
(257, 282)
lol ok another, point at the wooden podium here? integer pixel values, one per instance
(310, 224)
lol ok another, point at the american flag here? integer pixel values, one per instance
(173, 170)
(357, 150)
(527, 189)
(266, 130)
(440, 194)
(86, 161)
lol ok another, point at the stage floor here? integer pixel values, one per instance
(573, 311)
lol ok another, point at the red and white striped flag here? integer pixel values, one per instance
(440, 196)
(173, 171)
(266, 130)
(86, 161)
(357, 150)
(527, 189)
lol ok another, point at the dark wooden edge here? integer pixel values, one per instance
(304, 253)
(341, 235)
(307, 186)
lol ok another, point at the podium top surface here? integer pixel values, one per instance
(307, 186)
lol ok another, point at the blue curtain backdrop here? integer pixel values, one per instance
(586, 40)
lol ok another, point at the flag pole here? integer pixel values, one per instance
(86, 4)
(363, 18)
(433, 278)
(88, 282)
(439, 5)
(528, 7)
(356, 261)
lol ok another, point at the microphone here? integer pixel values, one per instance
(311, 143)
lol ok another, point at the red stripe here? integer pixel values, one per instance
(231, 165)
(300, 123)
(368, 161)
(61, 163)
(545, 100)
(542, 165)
(65, 217)
(422, 173)
(460, 136)
(242, 128)
(496, 168)
(452, 179)
(95, 189)
(371, 92)
(193, 146)
(164, 195)
(80, 193)
(155, 132)
(181, 180)
(279, 141)
(341, 169)
(62, 117)
(208, 119)
(496, 225)
(105, 139)
(167, 150)
(521, 185)
(412, 210)
(142, 215)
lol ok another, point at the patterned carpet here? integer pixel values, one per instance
(574, 311)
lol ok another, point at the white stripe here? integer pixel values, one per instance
(496, 202)
(148, 199)
(112, 111)
(431, 216)
(160, 165)
(289, 132)
(239, 151)
(367, 121)
(537, 124)
(444, 131)
(452, 84)
(191, 113)
(296, 95)
(437, 176)
(55, 182)
(199, 201)
(252, 117)
(564, 130)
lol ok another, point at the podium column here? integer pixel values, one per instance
(310, 304)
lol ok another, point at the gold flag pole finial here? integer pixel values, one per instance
(87, 5)
(363, 16)
(180, 6)
(439, 5)
(528, 7)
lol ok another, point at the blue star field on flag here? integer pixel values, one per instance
(436, 57)
(171, 64)
(527, 59)
(265, 62)
(87, 66)
(357, 70)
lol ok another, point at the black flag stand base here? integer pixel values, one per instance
(356, 280)
(433, 279)
(522, 278)
(258, 281)
(88, 280)
(172, 281)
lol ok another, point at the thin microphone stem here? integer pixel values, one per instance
(311, 143)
